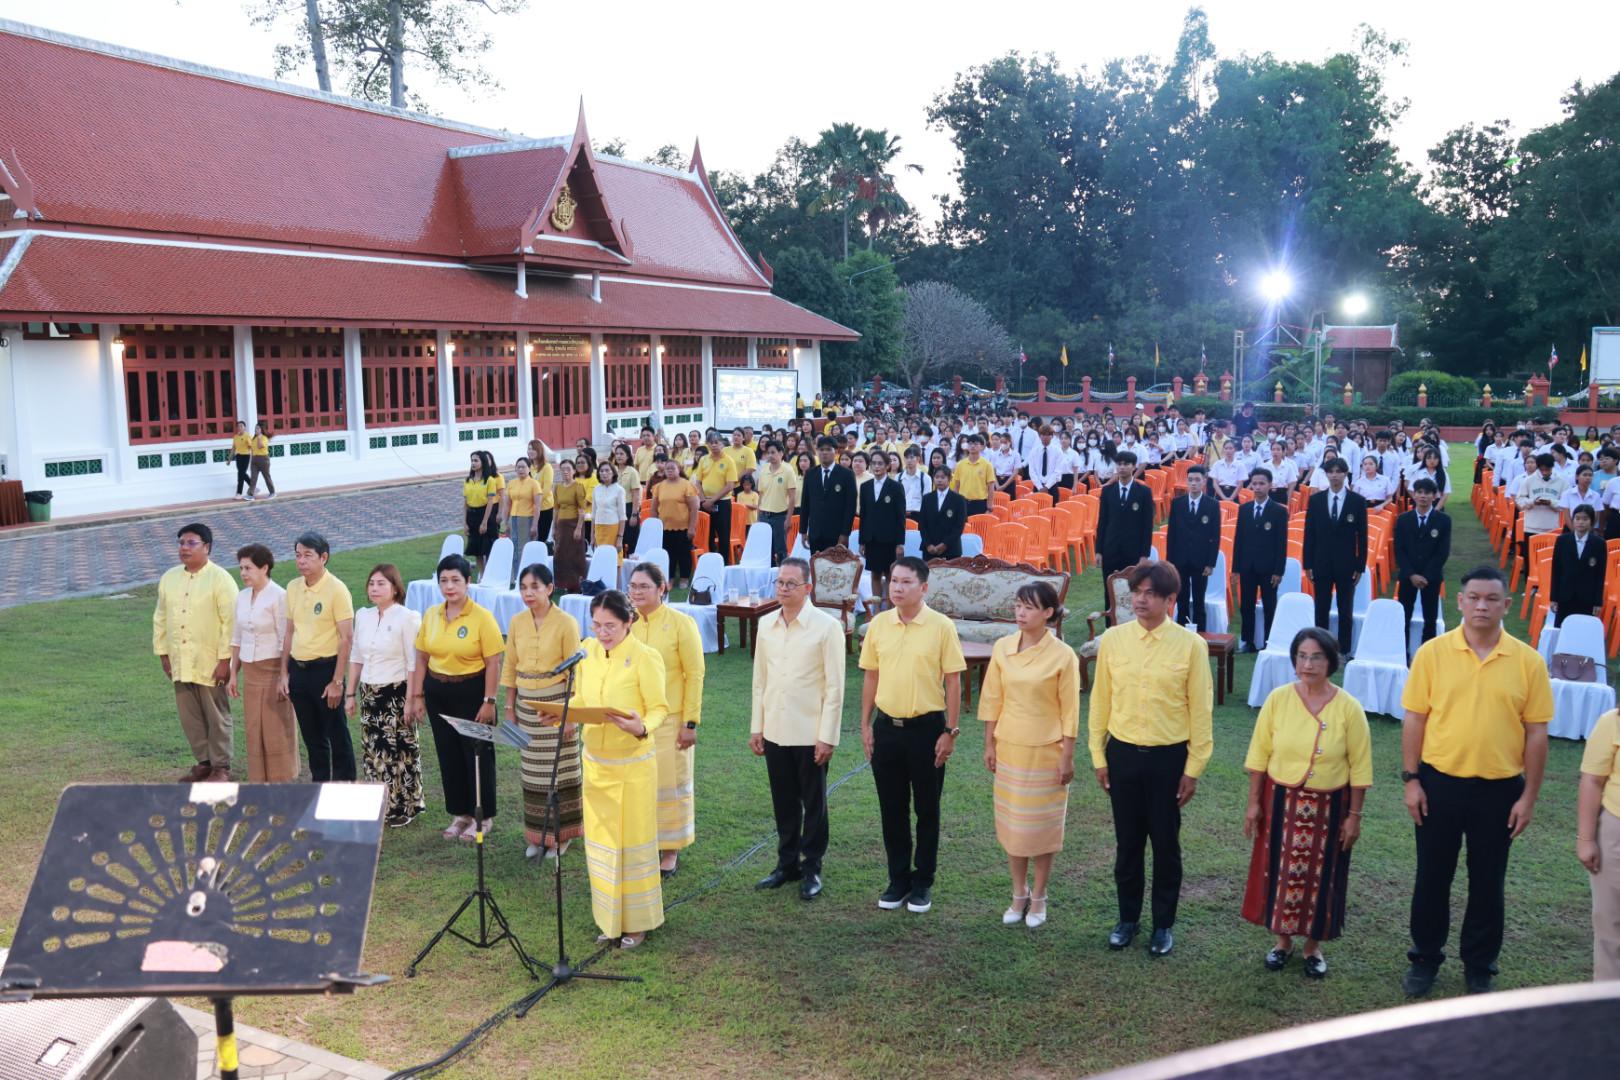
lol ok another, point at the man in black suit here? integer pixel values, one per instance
(1422, 546)
(943, 515)
(1124, 520)
(1335, 554)
(1194, 541)
(827, 507)
(1579, 565)
(883, 524)
(1259, 554)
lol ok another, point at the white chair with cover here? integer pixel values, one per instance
(1217, 617)
(604, 565)
(710, 574)
(423, 593)
(753, 572)
(1577, 705)
(1292, 578)
(972, 544)
(490, 595)
(914, 543)
(1377, 676)
(649, 540)
(1272, 668)
(497, 572)
(1358, 612)
(801, 550)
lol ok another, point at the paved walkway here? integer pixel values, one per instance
(105, 558)
(271, 1057)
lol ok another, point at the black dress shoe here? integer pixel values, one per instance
(1161, 942)
(1121, 936)
(1316, 967)
(776, 879)
(893, 897)
(810, 887)
(1277, 959)
(1418, 980)
(1479, 981)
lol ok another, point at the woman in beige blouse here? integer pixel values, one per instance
(261, 626)
(379, 671)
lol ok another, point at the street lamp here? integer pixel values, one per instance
(1355, 305)
(1276, 286)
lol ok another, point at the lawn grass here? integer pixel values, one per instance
(746, 984)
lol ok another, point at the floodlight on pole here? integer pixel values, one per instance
(1355, 305)
(1276, 286)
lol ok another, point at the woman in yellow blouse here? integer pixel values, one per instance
(630, 479)
(675, 635)
(538, 640)
(567, 529)
(1310, 764)
(242, 453)
(1597, 840)
(520, 504)
(540, 468)
(259, 466)
(1030, 705)
(621, 773)
(681, 453)
(482, 498)
(458, 667)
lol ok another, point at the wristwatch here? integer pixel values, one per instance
(691, 725)
(1408, 777)
(953, 732)
(489, 701)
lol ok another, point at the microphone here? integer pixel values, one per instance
(566, 664)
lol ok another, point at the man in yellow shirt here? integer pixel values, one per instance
(778, 494)
(242, 452)
(911, 698)
(315, 659)
(191, 636)
(1473, 749)
(716, 477)
(1151, 737)
(973, 477)
(646, 451)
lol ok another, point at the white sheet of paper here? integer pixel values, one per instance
(350, 802)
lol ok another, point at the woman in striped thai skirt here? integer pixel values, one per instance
(1310, 764)
(1030, 705)
(539, 639)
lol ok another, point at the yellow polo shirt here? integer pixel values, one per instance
(973, 479)
(1477, 709)
(776, 489)
(743, 457)
(242, 444)
(523, 491)
(643, 458)
(1033, 696)
(671, 506)
(1320, 753)
(674, 636)
(462, 645)
(193, 620)
(315, 611)
(912, 659)
(714, 473)
(478, 493)
(1602, 758)
(261, 446)
(1153, 689)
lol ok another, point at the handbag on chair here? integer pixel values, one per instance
(1572, 667)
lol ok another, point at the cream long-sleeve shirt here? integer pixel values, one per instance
(798, 678)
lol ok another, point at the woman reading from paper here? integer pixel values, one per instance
(621, 773)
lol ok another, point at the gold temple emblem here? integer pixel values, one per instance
(562, 215)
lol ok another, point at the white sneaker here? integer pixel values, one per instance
(271, 495)
(240, 497)
(247, 498)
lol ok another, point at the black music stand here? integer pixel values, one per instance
(207, 890)
(563, 972)
(488, 910)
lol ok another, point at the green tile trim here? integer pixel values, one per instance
(379, 442)
(221, 456)
(278, 450)
(464, 436)
(77, 467)
(149, 461)
(336, 446)
(430, 438)
(188, 457)
(404, 440)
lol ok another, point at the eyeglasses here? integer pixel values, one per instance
(191, 543)
(785, 584)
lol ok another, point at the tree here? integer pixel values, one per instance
(372, 41)
(946, 330)
(853, 164)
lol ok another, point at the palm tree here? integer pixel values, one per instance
(876, 191)
(853, 163)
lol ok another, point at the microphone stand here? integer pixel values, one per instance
(563, 971)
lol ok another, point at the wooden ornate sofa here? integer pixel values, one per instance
(977, 594)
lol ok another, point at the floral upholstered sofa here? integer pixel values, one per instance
(977, 594)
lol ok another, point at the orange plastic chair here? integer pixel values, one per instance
(1059, 551)
(1041, 499)
(792, 531)
(1023, 488)
(1090, 506)
(912, 526)
(700, 546)
(1539, 579)
(1039, 542)
(980, 525)
(1161, 544)
(1007, 541)
(739, 533)
(999, 498)
(1001, 512)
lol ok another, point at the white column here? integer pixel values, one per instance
(708, 379)
(247, 393)
(112, 387)
(808, 361)
(354, 391)
(598, 390)
(655, 383)
(525, 388)
(753, 352)
(447, 394)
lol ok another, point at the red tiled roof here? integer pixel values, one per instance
(1362, 337)
(106, 279)
(121, 143)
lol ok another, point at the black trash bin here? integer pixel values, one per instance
(39, 505)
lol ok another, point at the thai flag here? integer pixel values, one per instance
(1023, 357)
(1552, 361)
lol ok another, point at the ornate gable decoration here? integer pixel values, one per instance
(562, 213)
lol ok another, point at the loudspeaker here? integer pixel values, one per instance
(95, 1039)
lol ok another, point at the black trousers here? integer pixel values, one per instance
(543, 531)
(243, 484)
(720, 529)
(456, 752)
(1190, 604)
(1142, 786)
(679, 546)
(1476, 810)
(977, 506)
(1248, 585)
(632, 528)
(325, 729)
(799, 800)
(1409, 595)
(1346, 589)
(777, 520)
(903, 769)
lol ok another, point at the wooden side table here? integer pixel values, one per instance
(1222, 650)
(977, 655)
(747, 615)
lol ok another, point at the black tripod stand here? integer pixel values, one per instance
(563, 971)
(488, 910)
